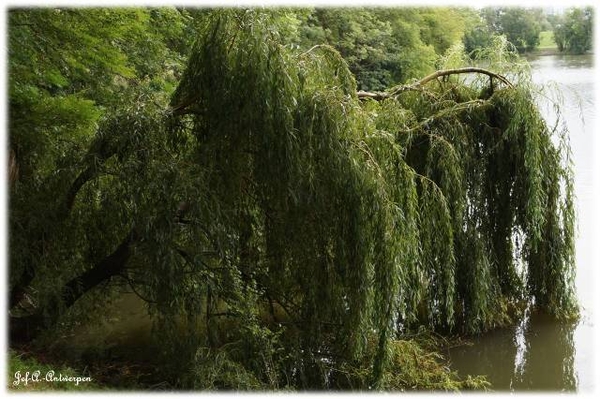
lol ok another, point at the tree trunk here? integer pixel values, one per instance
(24, 329)
(62, 210)
(13, 168)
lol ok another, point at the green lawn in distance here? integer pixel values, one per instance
(547, 40)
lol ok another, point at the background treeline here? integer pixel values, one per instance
(572, 29)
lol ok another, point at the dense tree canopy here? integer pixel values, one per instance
(384, 47)
(285, 229)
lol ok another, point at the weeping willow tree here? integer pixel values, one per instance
(329, 223)
(317, 226)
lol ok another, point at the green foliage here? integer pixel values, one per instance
(522, 29)
(55, 48)
(521, 26)
(364, 40)
(442, 27)
(547, 40)
(479, 37)
(65, 64)
(573, 32)
(394, 214)
(414, 364)
(286, 234)
(69, 70)
(384, 47)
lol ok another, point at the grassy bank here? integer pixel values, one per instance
(547, 41)
(547, 45)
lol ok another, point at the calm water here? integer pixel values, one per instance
(540, 354)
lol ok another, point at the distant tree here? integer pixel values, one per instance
(560, 34)
(574, 31)
(442, 27)
(521, 26)
(364, 40)
(478, 37)
(542, 18)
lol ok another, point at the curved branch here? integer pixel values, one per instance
(457, 71)
(378, 96)
(88, 174)
(311, 49)
(19, 289)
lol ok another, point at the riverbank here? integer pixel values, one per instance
(551, 52)
(548, 47)
(415, 365)
(544, 52)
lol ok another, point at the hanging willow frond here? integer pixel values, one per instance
(365, 219)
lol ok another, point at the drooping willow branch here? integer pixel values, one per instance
(378, 96)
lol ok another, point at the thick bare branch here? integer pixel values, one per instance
(457, 71)
(25, 328)
(378, 96)
(88, 174)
